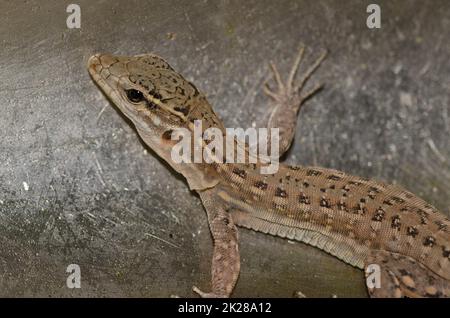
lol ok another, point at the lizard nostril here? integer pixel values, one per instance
(94, 65)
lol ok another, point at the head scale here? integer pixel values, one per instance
(145, 88)
(155, 98)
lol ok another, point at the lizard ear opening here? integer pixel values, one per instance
(134, 96)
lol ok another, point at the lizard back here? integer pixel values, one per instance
(344, 215)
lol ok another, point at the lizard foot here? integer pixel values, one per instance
(206, 295)
(299, 294)
(287, 91)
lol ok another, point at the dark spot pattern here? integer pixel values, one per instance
(360, 209)
(403, 272)
(379, 215)
(196, 92)
(446, 252)
(183, 110)
(395, 224)
(441, 225)
(412, 231)
(156, 95)
(397, 200)
(423, 216)
(429, 241)
(422, 213)
(334, 177)
(280, 207)
(304, 199)
(311, 172)
(151, 105)
(325, 203)
(241, 173)
(261, 185)
(375, 190)
(431, 208)
(280, 193)
(346, 188)
(342, 206)
(180, 91)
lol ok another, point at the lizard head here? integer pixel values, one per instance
(157, 99)
(145, 89)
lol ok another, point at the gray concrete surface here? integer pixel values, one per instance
(97, 198)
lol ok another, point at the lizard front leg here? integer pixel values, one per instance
(288, 98)
(225, 261)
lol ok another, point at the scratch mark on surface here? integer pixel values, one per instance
(129, 211)
(91, 215)
(15, 89)
(433, 148)
(424, 69)
(188, 20)
(204, 46)
(99, 170)
(101, 112)
(162, 240)
(445, 116)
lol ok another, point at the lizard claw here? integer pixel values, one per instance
(288, 90)
(270, 93)
(299, 294)
(205, 295)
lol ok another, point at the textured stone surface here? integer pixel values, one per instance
(77, 185)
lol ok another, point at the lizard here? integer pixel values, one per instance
(357, 220)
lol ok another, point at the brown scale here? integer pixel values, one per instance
(375, 197)
(415, 233)
(393, 226)
(339, 199)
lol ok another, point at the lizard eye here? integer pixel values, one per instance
(134, 95)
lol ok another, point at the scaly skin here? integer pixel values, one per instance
(359, 221)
